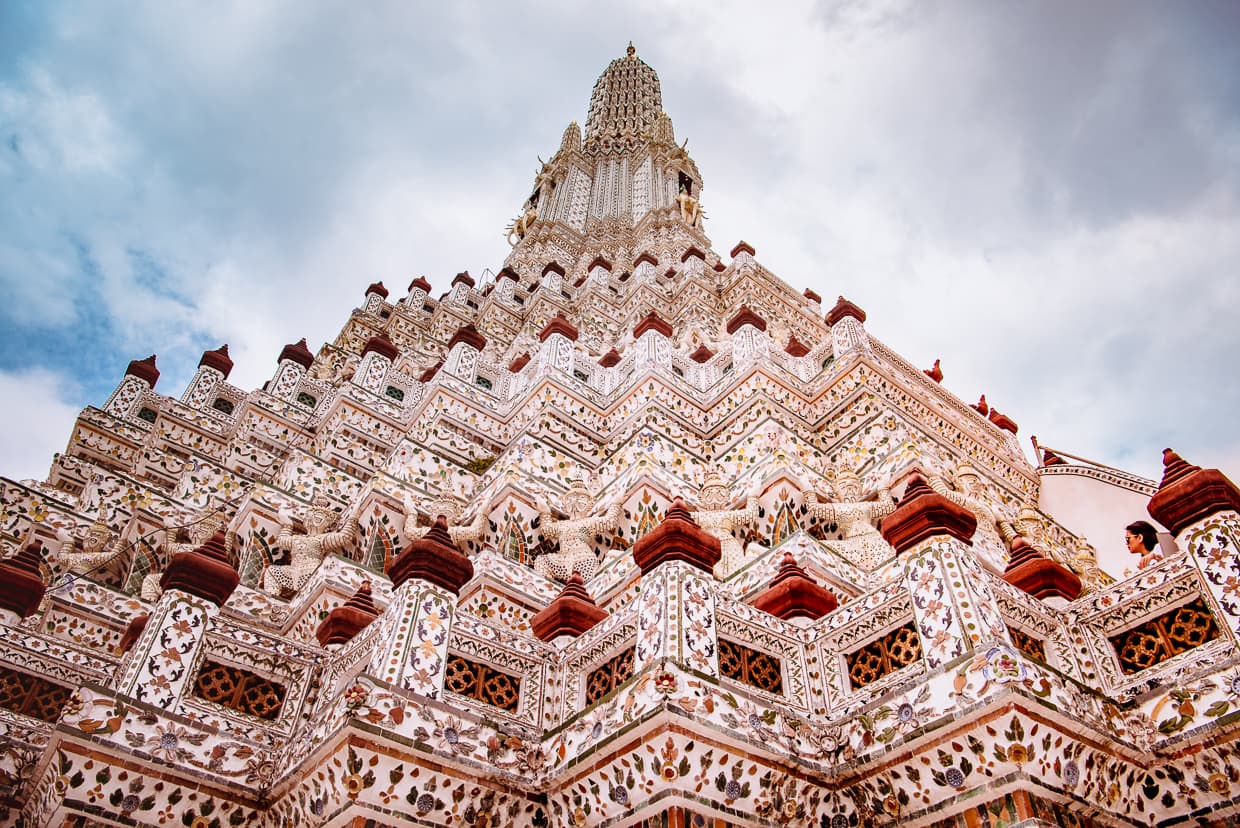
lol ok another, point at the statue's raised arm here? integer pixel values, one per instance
(307, 551)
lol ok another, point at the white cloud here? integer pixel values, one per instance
(35, 422)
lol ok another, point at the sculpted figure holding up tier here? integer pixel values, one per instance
(690, 210)
(716, 518)
(522, 224)
(85, 553)
(205, 524)
(971, 494)
(306, 551)
(450, 508)
(862, 544)
(1085, 564)
(575, 535)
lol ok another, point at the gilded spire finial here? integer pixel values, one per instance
(630, 51)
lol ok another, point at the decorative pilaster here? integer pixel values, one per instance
(953, 606)
(552, 278)
(418, 290)
(462, 283)
(213, 368)
(744, 328)
(463, 350)
(378, 354)
(676, 602)
(848, 334)
(411, 650)
(652, 337)
(295, 359)
(505, 284)
(1201, 507)
(742, 254)
(375, 295)
(140, 377)
(196, 584)
(557, 338)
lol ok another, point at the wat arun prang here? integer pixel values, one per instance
(629, 533)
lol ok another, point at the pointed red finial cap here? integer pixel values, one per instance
(742, 246)
(558, 325)
(572, 612)
(297, 352)
(377, 287)
(652, 322)
(470, 335)
(677, 538)
(924, 513)
(1002, 421)
(1050, 458)
(702, 354)
(218, 359)
(348, 619)
(205, 571)
(1190, 493)
(520, 362)
(144, 369)
(793, 594)
(796, 347)
(133, 631)
(842, 309)
(610, 358)
(812, 295)
(429, 373)
(463, 278)
(746, 316)
(21, 580)
(381, 345)
(422, 284)
(1031, 571)
(433, 558)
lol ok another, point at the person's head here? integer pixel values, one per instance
(1141, 537)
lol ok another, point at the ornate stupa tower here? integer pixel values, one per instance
(624, 189)
(629, 534)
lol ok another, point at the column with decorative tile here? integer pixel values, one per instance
(1201, 507)
(213, 369)
(140, 377)
(676, 602)
(953, 607)
(157, 670)
(411, 649)
(848, 334)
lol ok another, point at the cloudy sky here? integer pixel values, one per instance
(1045, 195)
